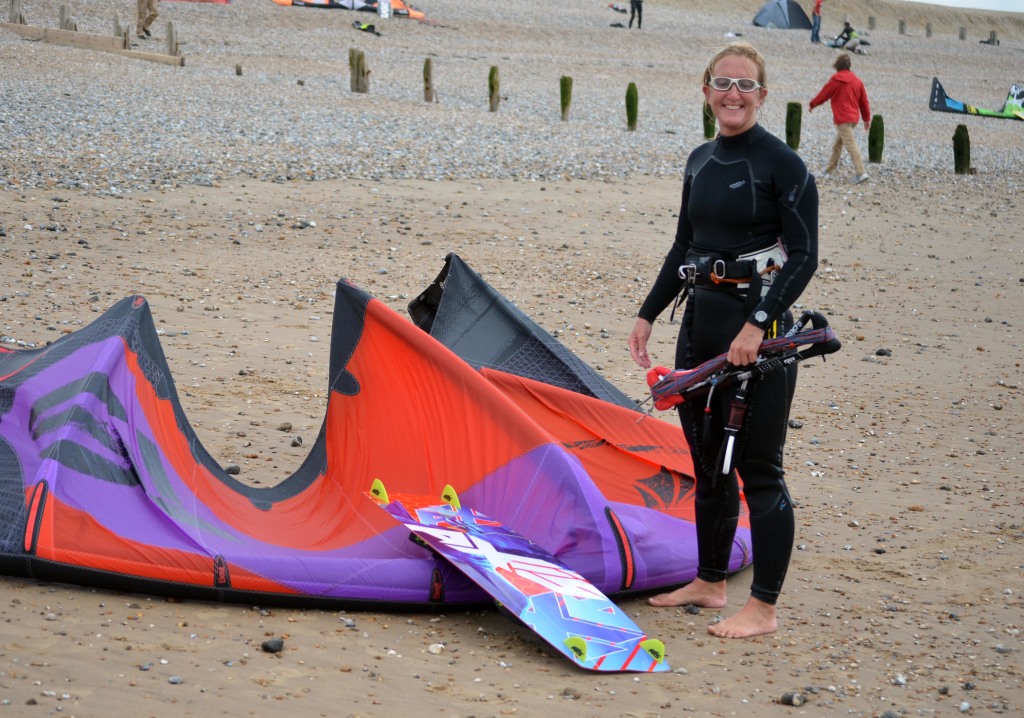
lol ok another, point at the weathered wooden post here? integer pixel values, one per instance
(428, 81)
(794, 118)
(963, 33)
(17, 17)
(709, 121)
(902, 27)
(871, 22)
(632, 106)
(359, 74)
(565, 96)
(876, 139)
(927, 29)
(172, 39)
(494, 88)
(66, 21)
(961, 150)
(121, 31)
(992, 39)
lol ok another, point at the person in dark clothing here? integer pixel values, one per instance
(747, 197)
(636, 9)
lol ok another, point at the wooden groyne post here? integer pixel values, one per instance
(17, 17)
(67, 34)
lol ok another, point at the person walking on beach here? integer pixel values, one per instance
(745, 194)
(636, 9)
(849, 101)
(816, 22)
(147, 13)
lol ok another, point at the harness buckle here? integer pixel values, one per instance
(688, 273)
(718, 271)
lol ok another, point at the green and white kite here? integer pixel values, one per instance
(1012, 109)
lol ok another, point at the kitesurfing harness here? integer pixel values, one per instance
(749, 275)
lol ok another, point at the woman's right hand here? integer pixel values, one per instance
(638, 342)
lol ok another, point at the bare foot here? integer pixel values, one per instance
(697, 593)
(754, 619)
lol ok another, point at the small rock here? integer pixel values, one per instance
(792, 699)
(273, 645)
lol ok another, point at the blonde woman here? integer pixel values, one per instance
(747, 199)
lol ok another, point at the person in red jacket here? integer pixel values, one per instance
(849, 103)
(816, 22)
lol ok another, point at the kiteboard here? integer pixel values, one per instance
(571, 614)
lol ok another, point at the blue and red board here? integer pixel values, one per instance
(559, 604)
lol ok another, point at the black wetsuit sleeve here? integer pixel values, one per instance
(797, 198)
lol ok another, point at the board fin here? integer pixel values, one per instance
(654, 648)
(378, 491)
(451, 498)
(578, 647)
(561, 606)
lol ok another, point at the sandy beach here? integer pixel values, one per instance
(904, 595)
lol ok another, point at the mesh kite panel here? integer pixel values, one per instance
(13, 512)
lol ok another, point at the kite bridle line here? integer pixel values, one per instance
(669, 388)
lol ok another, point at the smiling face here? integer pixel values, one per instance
(735, 111)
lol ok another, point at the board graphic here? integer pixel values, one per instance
(559, 604)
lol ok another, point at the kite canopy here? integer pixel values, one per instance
(1012, 109)
(469, 317)
(104, 482)
(782, 14)
(398, 7)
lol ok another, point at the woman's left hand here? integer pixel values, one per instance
(745, 346)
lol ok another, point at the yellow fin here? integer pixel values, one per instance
(578, 646)
(377, 489)
(451, 498)
(655, 648)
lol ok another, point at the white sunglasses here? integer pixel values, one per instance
(743, 84)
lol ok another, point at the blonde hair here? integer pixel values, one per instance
(742, 49)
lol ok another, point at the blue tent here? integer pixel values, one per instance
(784, 14)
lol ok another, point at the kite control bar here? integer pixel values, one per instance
(810, 336)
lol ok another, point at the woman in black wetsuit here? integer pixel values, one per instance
(748, 200)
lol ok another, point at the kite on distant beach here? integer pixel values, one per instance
(398, 7)
(1012, 109)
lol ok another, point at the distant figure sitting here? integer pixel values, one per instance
(849, 39)
(636, 9)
